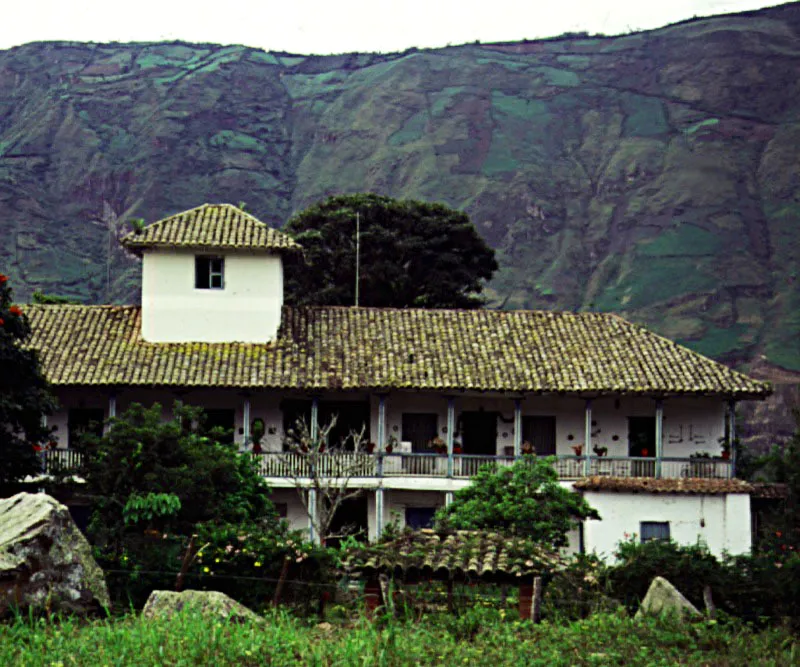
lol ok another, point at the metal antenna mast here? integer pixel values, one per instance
(358, 251)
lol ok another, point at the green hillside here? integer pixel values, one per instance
(653, 174)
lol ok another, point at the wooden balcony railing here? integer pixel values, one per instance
(462, 466)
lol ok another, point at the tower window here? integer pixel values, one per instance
(209, 272)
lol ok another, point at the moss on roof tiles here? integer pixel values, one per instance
(457, 555)
(368, 348)
(689, 485)
(210, 227)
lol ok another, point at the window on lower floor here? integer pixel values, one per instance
(84, 420)
(209, 272)
(419, 428)
(654, 530)
(419, 517)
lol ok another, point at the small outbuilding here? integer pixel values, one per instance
(454, 557)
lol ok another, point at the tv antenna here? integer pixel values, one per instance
(358, 251)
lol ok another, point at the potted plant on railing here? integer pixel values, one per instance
(390, 444)
(600, 451)
(257, 430)
(578, 449)
(438, 445)
(457, 449)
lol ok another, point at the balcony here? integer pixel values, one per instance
(464, 466)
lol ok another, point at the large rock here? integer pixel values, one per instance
(663, 599)
(45, 561)
(210, 604)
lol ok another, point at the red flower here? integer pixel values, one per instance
(15, 310)
(3, 278)
(2, 322)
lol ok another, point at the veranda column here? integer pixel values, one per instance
(246, 422)
(314, 428)
(112, 407)
(312, 493)
(451, 427)
(587, 438)
(732, 435)
(378, 512)
(659, 436)
(312, 513)
(517, 428)
(381, 444)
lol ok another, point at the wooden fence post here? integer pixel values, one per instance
(536, 611)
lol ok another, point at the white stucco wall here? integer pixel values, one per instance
(248, 309)
(721, 521)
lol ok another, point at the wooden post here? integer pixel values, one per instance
(378, 512)
(312, 515)
(451, 605)
(517, 428)
(372, 593)
(659, 436)
(246, 423)
(711, 608)
(525, 598)
(536, 608)
(587, 438)
(451, 427)
(281, 581)
(188, 557)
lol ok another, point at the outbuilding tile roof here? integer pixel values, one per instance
(210, 227)
(374, 348)
(460, 555)
(689, 485)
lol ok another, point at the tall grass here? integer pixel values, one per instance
(476, 637)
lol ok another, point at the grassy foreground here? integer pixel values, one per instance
(473, 639)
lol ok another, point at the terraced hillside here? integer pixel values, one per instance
(654, 174)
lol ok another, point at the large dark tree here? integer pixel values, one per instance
(24, 395)
(413, 254)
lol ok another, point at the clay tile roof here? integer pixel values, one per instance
(764, 491)
(375, 348)
(650, 485)
(461, 554)
(210, 227)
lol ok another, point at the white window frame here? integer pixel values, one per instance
(216, 272)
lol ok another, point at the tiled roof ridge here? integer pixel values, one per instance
(241, 230)
(686, 485)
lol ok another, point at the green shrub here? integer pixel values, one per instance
(688, 568)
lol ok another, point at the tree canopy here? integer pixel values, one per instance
(169, 476)
(24, 394)
(523, 499)
(412, 254)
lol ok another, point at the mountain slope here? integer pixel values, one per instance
(654, 174)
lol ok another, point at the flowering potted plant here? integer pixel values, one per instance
(578, 449)
(438, 445)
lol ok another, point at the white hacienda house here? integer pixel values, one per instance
(636, 423)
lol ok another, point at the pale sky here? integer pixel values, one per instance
(338, 26)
